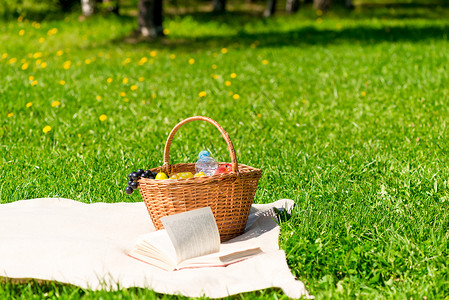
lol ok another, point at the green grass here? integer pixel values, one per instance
(346, 114)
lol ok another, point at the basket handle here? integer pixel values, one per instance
(225, 135)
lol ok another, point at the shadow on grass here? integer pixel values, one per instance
(304, 36)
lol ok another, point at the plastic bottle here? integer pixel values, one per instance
(206, 164)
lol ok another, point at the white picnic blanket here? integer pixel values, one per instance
(85, 245)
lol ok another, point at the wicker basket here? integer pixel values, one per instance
(228, 195)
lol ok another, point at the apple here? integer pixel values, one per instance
(224, 169)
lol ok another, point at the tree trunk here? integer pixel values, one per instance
(271, 8)
(322, 4)
(219, 5)
(292, 6)
(150, 18)
(88, 7)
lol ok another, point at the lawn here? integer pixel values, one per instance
(345, 112)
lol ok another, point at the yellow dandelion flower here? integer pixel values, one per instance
(10, 115)
(153, 53)
(134, 87)
(142, 61)
(123, 94)
(109, 80)
(319, 20)
(59, 52)
(41, 40)
(12, 60)
(126, 100)
(141, 79)
(236, 96)
(20, 19)
(265, 62)
(98, 97)
(233, 75)
(55, 103)
(37, 55)
(363, 93)
(202, 94)
(46, 129)
(253, 45)
(31, 78)
(214, 67)
(172, 56)
(259, 115)
(126, 61)
(224, 50)
(125, 80)
(52, 31)
(36, 25)
(227, 83)
(21, 32)
(319, 12)
(62, 82)
(43, 65)
(79, 135)
(4, 55)
(231, 93)
(25, 66)
(34, 82)
(191, 61)
(103, 118)
(304, 101)
(153, 96)
(166, 31)
(38, 62)
(67, 64)
(144, 102)
(29, 104)
(87, 61)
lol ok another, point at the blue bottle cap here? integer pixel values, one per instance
(203, 154)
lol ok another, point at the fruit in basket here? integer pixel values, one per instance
(199, 174)
(161, 176)
(140, 172)
(133, 185)
(129, 190)
(223, 169)
(184, 175)
(173, 176)
(134, 176)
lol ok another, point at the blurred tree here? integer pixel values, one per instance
(89, 7)
(219, 5)
(150, 18)
(292, 6)
(325, 4)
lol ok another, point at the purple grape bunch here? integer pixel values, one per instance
(134, 176)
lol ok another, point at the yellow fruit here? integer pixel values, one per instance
(200, 174)
(161, 176)
(185, 175)
(174, 176)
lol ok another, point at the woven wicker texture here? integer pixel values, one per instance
(228, 195)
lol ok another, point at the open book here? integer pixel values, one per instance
(189, 240)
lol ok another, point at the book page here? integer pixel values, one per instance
(193, 233)
(155, 248)
(219, 259)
